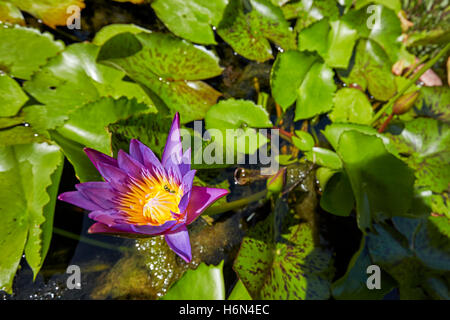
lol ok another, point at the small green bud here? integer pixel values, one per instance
(275, 183)
(405, 102)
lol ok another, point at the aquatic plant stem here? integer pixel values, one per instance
(91, 242)
(413, 80)
(235, 204)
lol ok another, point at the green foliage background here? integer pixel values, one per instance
(390, 171)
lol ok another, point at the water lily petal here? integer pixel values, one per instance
(98, 157)
(179, 242)
(98, 192)
(76, 198)
(99, 227)
(202, 198)
(144, 155)
(185, 164)
(107, 217)
(128, 164)
(173, 151)
(115, 176)
(184, 202)
(173, 171)
(188, 180)
(153, 230)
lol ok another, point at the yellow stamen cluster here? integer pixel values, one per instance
(151, 199)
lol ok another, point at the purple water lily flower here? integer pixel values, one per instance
(144, 196)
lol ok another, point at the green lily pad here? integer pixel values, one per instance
(434, 102)
(280, 259)
(423, 144)
(111, 30)
(26, 172)
(24, 50)
(239, 292)
(308, 12)
(351, 105)
(334, 131)
(288, 73)
(239, 114)
(191, 20)
(381, 183)
(303, 140)
(203, 283)
(381, 25)
(168, 66)
(302, 77)
(248, 30)
(371, 70)
(87, 127)
(334, 41)
(337, 197)
(315, 95)
(391, 4)
(149, 128)
(72, 79)
(324, 157)
(15, 131)
(11, 95)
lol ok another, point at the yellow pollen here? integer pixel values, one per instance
(152, 199)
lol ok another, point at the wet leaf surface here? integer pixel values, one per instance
(248, 30)
(191, 20)
(423, 144)
(24, 50)
(170, 67)
(26, 172)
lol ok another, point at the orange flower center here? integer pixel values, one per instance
(153, 200)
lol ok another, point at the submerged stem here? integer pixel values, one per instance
(235, 204)
(92, 242)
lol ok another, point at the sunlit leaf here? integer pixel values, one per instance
(423, 144)
(301, 77)
(248, 30)
(203, 283)
(11, 96)
(351, 105)
(24, 50)
(324, 157)
(239, 114)
(169, 67)
(334, 41)
(26, 173)
(288, 73)
(303, 140)
(371, 70)
(191, 20)
(239, 292)
(309, 12)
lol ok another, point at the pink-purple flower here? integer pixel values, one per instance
(143, 195)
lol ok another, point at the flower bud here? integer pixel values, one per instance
(405, 102)
(275, 183)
